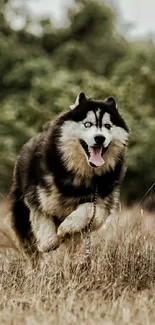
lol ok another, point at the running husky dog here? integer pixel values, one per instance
(57, 171)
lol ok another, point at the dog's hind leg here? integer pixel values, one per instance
(44, 229)
(18, 219)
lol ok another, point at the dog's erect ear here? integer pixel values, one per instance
(111, 101)
(79, 99)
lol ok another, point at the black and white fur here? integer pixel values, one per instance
(54, 178)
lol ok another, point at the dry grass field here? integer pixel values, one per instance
(119, 288)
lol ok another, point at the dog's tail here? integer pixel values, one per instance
(20, 223)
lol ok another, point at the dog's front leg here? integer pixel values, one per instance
(44, 230)
(79, 219)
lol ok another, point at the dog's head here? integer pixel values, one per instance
(96, 124)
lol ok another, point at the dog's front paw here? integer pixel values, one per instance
(67, 228)
(63, 233)
(73, 224)
(48, 246)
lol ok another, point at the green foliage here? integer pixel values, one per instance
(41, 76)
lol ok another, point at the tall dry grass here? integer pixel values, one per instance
(118, 288)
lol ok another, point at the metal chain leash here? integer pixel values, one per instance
(88, 236)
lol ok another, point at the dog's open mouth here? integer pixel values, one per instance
(94, 154)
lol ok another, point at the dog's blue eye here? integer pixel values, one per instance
(88, 124)
(108, 126)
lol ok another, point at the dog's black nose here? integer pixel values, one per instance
(99, 139)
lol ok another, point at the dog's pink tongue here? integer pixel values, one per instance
(95, 156)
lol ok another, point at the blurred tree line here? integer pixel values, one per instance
(42, 74)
